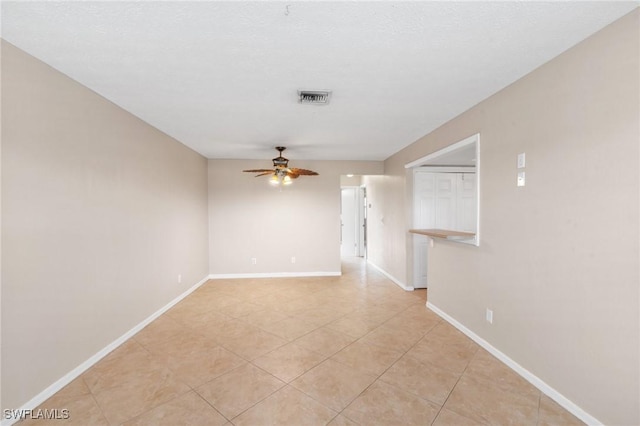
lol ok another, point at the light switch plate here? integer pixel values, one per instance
(521, 160)
(520, 178)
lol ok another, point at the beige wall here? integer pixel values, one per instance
(387, 224)
(350, 180)
(100, 213)
(251, 219)
(558, 260)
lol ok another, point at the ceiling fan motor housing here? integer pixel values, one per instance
(280, 161)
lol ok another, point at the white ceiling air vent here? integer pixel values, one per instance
(314, 97)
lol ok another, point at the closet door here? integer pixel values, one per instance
(446, 201)
(466, 202)
(424, 200)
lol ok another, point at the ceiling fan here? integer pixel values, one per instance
(282, 174)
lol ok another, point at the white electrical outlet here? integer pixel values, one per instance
(179, 278)
(489, 316)
(254, 261)
(293, 259)
(520, 178)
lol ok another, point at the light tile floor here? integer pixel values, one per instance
(349, 350)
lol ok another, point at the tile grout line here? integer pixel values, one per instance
(380, 375)
(453, 388)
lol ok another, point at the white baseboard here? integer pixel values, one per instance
(526, 374)
(73, 374)
(276, 275)
(391, 277)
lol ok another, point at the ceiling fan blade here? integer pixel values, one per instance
(264, 174)
(301, 172)
(292, 175)
(259, 171)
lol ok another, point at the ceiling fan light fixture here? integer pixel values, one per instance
(274, 180)
(287, 180)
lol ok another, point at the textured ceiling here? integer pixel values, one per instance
(222, 77)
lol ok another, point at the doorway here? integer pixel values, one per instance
(353, 220)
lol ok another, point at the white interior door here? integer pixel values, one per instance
(446, 208)
(362, 222)
(466, 200)
(424, 214)
(348, 215)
